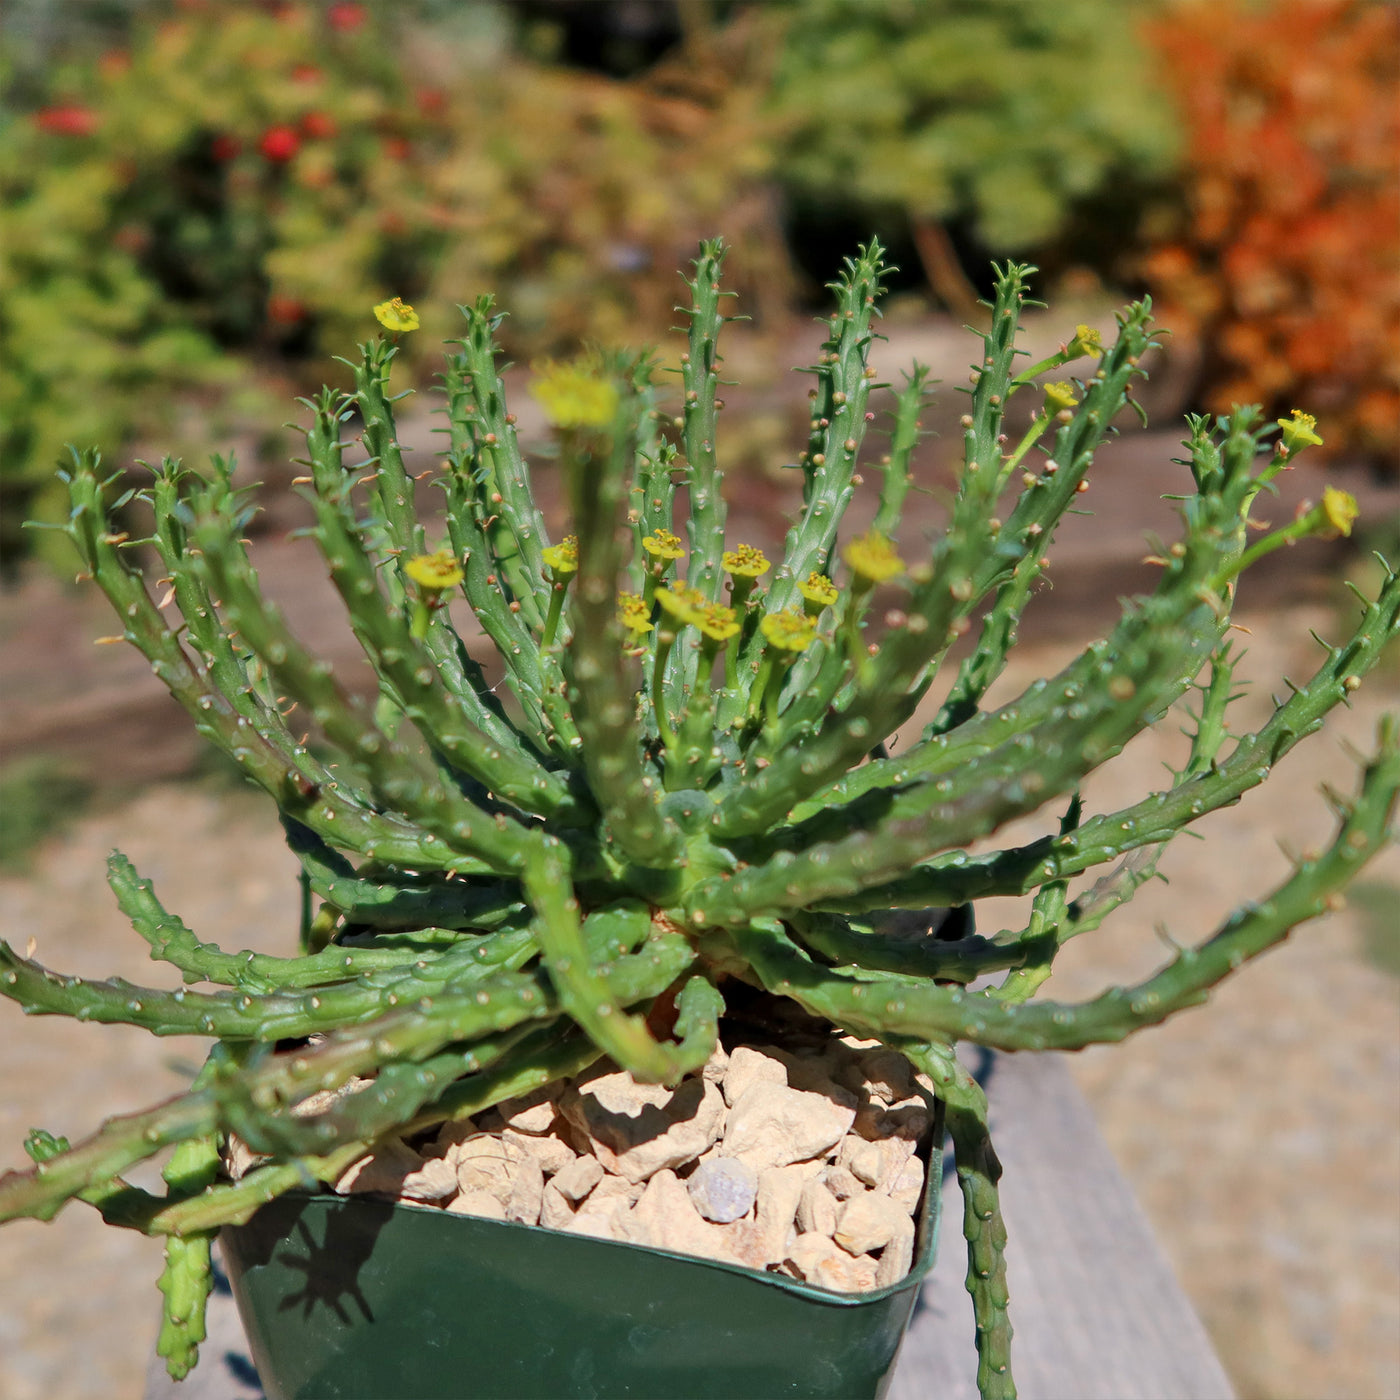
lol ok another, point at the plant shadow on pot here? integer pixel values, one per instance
(345, 1299)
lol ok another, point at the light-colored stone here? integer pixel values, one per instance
(717, 1066)
(451, 1136)
(888, 1075)
(856, 1042)
(601, 1209)
(382, 1172)
(324, 1099)
(556, 1210)
(665, 1218)
(485, 1163)
(596, 1225)
(639, 1129)
(847, 1275)
(435, 1180)
(239, 1158)
(896, 1257)
(818, 1209)
(866, 1161)
(608, 1192)
(505, 1170)
(723, 1189)
(549, 1150)
(771, 1125)
(779, 1191)
(526, 1190)
(533, 1112)
(816, 1259)
(481, 1203)
(869, 1222)
(874, 1162)
(907, 1186)
(576, 1180)
(842, 1182)
(749, 1066)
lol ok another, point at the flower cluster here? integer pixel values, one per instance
(574, 395)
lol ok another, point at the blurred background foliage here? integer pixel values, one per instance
(1286, 263)
(199, 201)
(974, 129)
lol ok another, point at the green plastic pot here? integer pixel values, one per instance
(357, 1299)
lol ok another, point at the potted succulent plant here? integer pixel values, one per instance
(554, 911)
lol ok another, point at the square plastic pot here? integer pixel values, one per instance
(348, 1298)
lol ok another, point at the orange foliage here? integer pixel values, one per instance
(1287, 266)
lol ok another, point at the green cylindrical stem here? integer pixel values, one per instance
(582, 990)
(933, 1012)
(979, 1171)
(332, 809)
(959, 960)
(700, 376)
(603, 680)
(410, 786)
(187, 1279)
(904, 437)
(505, 768)
(837, 427)
(477, 366)
(399, 899)
(393, 487)
(956, 878)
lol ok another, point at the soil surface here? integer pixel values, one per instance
(1262, 1133)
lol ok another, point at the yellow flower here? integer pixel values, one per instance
(788, 630)
(683, 602)
(1298, 431)
(633, 614)
(434, 573)
(562, 558)
(717, 621)
(663, 545)
(745, 561)
(873, 558)
(1087, 341)
(1339, 508)
(1059, 396)
(818, 589)
(574, 395)
(396, 315)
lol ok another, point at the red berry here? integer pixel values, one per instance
(395, 147)
(306, 73)
(346, 16)
(69, 119)
(286, 311)
(279, 143)
(225, 147)
(318, 126)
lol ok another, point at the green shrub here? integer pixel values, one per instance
(1000, 116)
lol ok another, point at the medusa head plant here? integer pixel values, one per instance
(684, 788)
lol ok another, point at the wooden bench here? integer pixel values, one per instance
(1098, 1312)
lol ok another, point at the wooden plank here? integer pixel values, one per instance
(1098, 1312)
